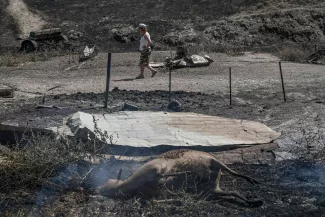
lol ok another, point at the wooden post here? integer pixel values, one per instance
(231, 7)
(230, 90)
(283, 89)
(108, 78)
(170, 83)
(69, 56)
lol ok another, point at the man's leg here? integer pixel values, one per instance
(142, 67)
(153, 71)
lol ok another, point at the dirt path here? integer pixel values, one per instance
(26, 20)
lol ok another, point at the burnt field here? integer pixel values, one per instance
(288, 189)
(216, 26)
(42, 175)
(292, 185)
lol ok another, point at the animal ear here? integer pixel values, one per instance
(119, 174)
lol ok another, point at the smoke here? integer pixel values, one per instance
(68, 178)
(81, 176)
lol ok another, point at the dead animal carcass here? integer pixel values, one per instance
(172, 170)
(46, 39)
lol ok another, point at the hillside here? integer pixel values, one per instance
(209, 24)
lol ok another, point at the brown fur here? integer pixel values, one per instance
(170, 171)
(173, 154)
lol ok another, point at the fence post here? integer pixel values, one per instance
(230, 90)
(69, 56)
(108, 78)
(170, 83)
(283, 89)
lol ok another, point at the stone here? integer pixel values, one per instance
(175, 106)
(199, 61)
(129, 107)
(4, 149)
(125, 34)
(7, 93)
(157, 64)
(193, 61)
(74, 35)
(208, 58)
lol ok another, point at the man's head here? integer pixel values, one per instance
(142, 27)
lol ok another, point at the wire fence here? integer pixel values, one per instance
(233, 66)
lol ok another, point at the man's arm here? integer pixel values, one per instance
(148, 40)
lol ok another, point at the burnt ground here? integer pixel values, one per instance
(301, 121)
(216, 26)
(289, 187)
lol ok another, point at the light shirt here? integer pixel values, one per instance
(144, 41)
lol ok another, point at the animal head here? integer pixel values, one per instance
(111, 187)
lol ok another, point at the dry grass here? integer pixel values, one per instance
(30, 164)
(294, 52)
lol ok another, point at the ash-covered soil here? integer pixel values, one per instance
(287, 189)
(217, 26)
(300, 120)
(290, 188)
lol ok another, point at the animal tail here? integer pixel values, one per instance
(218, 164)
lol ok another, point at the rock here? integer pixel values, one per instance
(208, 58)
(115, 108)
(175, 106)
(129, 107)
(199, 61)
(74, 35)
(157, 64)
(125, 34)
(4, 148)
(7, 93)
(193, 61)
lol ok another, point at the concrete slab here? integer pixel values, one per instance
(171, 130)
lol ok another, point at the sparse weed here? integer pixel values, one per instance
(294, 52)
(47, 161)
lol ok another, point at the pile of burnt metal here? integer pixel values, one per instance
(47, 39)
(183, 59)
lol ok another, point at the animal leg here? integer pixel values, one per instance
(235, 194)
(219, 165)
(218, 192)
(218, 181)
